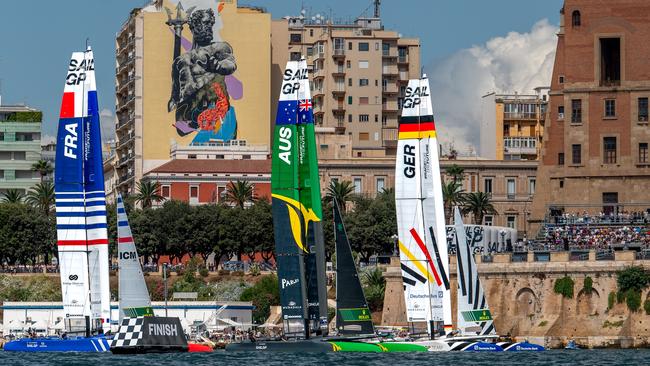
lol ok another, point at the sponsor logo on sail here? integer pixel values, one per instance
(287, 283)
(73, 277)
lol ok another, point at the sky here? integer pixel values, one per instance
(468, 48)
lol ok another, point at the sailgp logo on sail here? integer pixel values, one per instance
(287, 283)
(77, 71)
(414, 96)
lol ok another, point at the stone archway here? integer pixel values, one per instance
(587, 303)
(526, 303)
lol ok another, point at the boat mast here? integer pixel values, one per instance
(83, 185)
(303, 233)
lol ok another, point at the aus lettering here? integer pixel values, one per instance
(284, 144)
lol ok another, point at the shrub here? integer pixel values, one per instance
(255, 270)
(564, 287)
(229, 290)
(633, 299)
(620, 297)
(632, 278)
(204, 272)
(611, 300)
(616, 324)
(588, 285)
(543, 323)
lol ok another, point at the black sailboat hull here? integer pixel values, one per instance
(310, 346)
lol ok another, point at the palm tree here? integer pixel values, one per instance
(43, 167)
(341, 191)
(239, 193)
(479, 205)
(148, 193)
(41, 196)
(455, 172)
(452, 195)
(13, 196)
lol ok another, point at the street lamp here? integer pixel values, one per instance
(395, 245)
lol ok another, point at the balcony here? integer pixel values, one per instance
(520, 145)
(339, 72)
(318, 92)
(339, 53)
(389, 53)
(390, 88)
(403, 60)
(318, 109)
(389, 137)
(389, 70)
(318, 74)
(338, 91)
(340, 127)
(389, 107)
(520, 116)
(123, 122)
(339, 109)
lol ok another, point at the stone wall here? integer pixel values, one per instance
(524, 305)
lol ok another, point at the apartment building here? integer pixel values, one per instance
(358, 71)
(159, 113)
(20, 146)
(595, 146)
(512, 125)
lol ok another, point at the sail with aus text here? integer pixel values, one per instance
(82, 238)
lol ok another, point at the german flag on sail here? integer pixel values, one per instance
(416, 127)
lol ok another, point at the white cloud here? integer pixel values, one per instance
(517, 62)
(107, 121)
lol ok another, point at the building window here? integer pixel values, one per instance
(295, 56)
(19, 155)
(363, 82)
(487, 220)
(560, 159)
(487, 185)
(363, 64)
(350, 46)
(560, 112)
(363, 46)
(576, 154)
(532, 182)
(561, 183)
(364, 136)
(561, 79)
(381, 184)
(165, 191)
(350, 99)
(348, 64)
(643, 152)
(610, 61)
(363, 100)
(511, 221)
(575, 18)
(194, 194)
(643, 109)
(610, 108)
(511, 188)
(576, 111)
(363, 118)
(311, 32)
(349, 118)
(295, 38)
(310, 51)
(609, 150)
(357, 185)
(191, 156)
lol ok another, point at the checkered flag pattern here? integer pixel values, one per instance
(129, 334)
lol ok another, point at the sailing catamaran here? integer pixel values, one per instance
(82, 238)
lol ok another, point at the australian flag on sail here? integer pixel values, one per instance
(287, 112)
(305, 114)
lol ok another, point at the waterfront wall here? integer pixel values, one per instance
(524, 305)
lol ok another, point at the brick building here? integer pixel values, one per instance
(595, 146)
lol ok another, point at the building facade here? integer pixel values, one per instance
(512, 184)
(595, 147)
(20, 147)
(512, 125)
(166, 96)
(358, 72)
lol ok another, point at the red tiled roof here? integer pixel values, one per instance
(215, 166)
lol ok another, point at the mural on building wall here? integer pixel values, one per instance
(202, 76)
(484, 239)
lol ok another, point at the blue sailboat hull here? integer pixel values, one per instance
(81, 344)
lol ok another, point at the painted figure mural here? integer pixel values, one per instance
(202, 80)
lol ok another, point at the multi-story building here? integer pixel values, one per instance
(595, 147)
(358, 72)
(20, 146)
(161, 104)
(512, 125)
(511, 183)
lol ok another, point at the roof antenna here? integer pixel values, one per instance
(377, 8)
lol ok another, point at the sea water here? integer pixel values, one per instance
(553, 357)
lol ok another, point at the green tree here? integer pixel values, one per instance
(374, 287)
(257, 234)
(239, 193)
(452, 195)
(456, 173)
(478, 204)
(263, 295)
(371, 225)
(43, 167)
(342, 191)
(203, 231)
(13, 196)
(148, 193)
(25, 234)
(41, 196)
(145, 228)
(632, 278)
